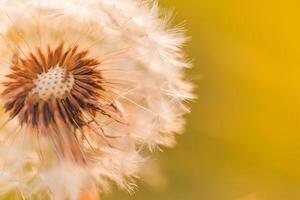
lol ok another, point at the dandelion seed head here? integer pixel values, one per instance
(89, 86)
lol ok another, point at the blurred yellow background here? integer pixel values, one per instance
(242, 140)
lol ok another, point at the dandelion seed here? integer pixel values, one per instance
(88, 85)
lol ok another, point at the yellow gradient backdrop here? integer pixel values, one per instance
(242, 140)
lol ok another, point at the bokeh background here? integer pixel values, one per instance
(242, 140)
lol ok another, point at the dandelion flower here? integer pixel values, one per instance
(86, 86)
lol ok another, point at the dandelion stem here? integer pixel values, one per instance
(89, 195)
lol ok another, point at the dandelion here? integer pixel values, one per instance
(86, 87)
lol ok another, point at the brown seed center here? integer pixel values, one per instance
(56, 82)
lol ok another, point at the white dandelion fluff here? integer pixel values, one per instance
(86, 86)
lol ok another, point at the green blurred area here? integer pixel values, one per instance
(242, 140)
